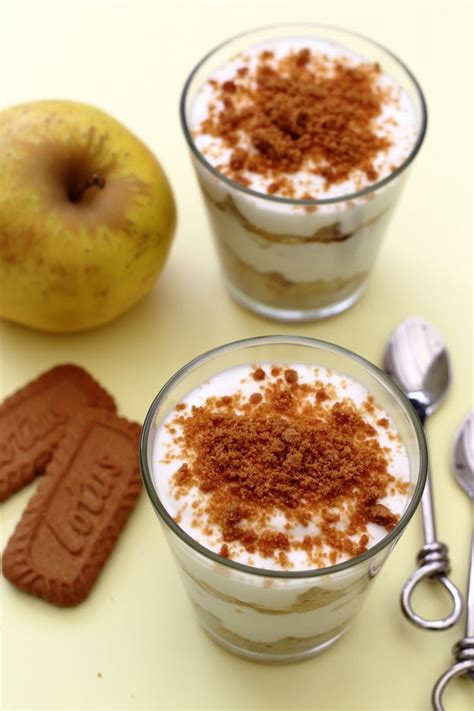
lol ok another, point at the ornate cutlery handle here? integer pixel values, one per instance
(464, 649)
(464, 653)
(435, 566)
(433, 560)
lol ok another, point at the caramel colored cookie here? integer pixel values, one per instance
(82, 503)
(32, 421)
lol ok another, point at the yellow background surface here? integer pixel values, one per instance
(135, 643)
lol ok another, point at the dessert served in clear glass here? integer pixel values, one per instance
(301, 137)
(284, 470)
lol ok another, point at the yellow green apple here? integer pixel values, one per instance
(87, 216)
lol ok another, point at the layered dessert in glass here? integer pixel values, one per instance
(300, 137)
(284, 470)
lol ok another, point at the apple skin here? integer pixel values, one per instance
(71, 261)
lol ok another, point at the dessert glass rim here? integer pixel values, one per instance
(293, 201)
(393, 388)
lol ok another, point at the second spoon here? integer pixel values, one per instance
(417, 360)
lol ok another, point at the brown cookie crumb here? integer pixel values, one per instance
(381, 515)
(291, 376)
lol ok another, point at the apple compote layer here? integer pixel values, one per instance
(300, 119)
(285, 469)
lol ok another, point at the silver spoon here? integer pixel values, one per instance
(463, 470)
(417, 360)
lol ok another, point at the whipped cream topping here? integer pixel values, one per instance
(169, 456)
(396, 121)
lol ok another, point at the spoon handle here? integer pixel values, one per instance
(427, 510)
(433, 560)
(470, 593)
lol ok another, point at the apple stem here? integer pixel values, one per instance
(75, 194)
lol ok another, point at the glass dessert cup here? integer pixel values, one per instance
(291, 259)
(268, 615)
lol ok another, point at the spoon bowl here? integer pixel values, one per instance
(463, 456)
(417, 359)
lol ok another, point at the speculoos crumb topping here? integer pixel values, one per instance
(303, 111)
(284, 450)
